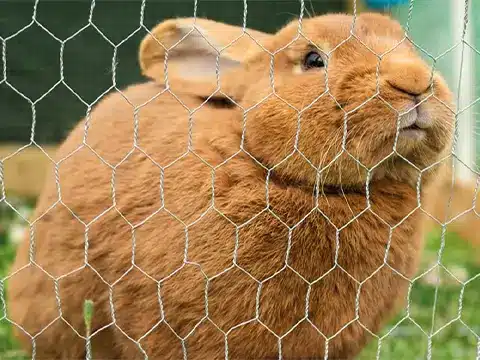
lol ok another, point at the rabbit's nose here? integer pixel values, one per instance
(409, 76)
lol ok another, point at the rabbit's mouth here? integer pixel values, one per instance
(415, 123)
(413, 132)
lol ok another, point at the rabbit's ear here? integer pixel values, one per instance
(191, 47)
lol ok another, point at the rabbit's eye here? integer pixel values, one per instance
(313, 60)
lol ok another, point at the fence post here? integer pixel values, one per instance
(465, 90)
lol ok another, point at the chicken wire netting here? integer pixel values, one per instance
(434, 269)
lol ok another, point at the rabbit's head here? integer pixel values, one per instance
(328, 98)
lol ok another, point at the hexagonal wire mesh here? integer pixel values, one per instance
(189, 226)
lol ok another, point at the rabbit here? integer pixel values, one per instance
(216, 210)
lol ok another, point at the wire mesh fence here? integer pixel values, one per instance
(272, 213)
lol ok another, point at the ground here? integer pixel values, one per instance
(456, 332)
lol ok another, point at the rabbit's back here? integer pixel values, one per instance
(134, 171)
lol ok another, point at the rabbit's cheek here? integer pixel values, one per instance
(354, 88)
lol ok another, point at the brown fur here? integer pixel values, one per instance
(164, 200)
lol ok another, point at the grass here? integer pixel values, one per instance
(452, 339)
(9, 221)
(406, 339)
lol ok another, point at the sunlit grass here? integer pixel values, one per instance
(453, 319)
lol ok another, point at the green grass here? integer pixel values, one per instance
(404, 341)
(9, 349)
(454, 341)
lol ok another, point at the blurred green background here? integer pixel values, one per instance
(33, 68)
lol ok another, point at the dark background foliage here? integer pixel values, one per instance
(33, 55)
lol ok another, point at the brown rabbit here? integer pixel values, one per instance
(257, 236)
